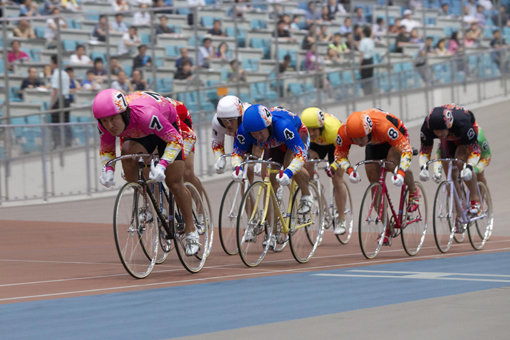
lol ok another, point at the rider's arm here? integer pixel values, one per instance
(242, 143)
(485, 157)
(164, 129)
(427, 143)
(342, 146)
(470, 138)
(107, 147)
(189, 137)
(217, 138)
(286, 131)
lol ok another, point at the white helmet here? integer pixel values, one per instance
(229, 107)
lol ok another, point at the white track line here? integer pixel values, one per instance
(239, 275)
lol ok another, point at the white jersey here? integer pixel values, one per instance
(219, 132)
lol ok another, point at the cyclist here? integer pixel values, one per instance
(285, 140)
(457, 130)
(323, 128)
(384, 137)
(143, 121)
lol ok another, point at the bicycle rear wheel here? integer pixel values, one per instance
(135, 230)
(165, 243)
(305, 230)
(208, 215)
(349, 218)
(372, 221)
(443, 220)
(192, 263)
(229, 208)
(480, 230)
(414, 224)
(460, 237)
(254, 224)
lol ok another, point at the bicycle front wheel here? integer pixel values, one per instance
(254, 224)
(372, 221)
(136, 230)
(443, 222)
(414, 223)
(305, 230)
(480, 230)
(349, 218)
(229, 208)
(165, 243)
(208, 215)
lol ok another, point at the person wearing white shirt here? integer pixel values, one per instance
(80, 58)
(130, 40)
(120, 5)
(51, 26)
(118, 25)
(366, 48)
(408, 22)
(59, 95)
(142, 18)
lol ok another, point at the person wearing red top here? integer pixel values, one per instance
(16, 54)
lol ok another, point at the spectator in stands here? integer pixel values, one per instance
(441, 49)
(90, 83)
(444, 12)
(24, 30)
(115, 67)
(120, 6)
(401, 40)
(308, 39)
(421, 59)
(359, 17)
(99, 32)
(142, 59)
(501, 17)
(498, 56)
(51, 28)
(357, 33)
(285, 66)
(366, 59)
(184, 72)
(337, 45)
(311, 14)
(130, 40)
(480, 16)
(313, 61)
(50, 5)
(334, 7)
(238, 10)
(487, 4)
(324, 35)
(163, 27)
(70, 5)
(294, 25)
(332, 56)
(162, 7)
(395, 28)
(122, 83)
(350, 43)
(28, 9)
(118, 24)
(139, 84)
(325, 15)
(408, 21)
(79, 57)
(216, 29)
(346, 27)
(414, 4)
(471, 5)
(468, 39)
(142, 17)
(184, 56)
(99, 70)
(467, 17)
(59, 96)
(414, 37)
(454, 43)
(281, 31)
(236, 72)
(286, 19)
(205, 53)
(476, 33)
(379, 30)
(74, 85)
(16, 55)
(32, 81)
(222, 51)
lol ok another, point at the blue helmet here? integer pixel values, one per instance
(256, 118)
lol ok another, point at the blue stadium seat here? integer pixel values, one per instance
(94, 55)
(39, 31)
(69, 45)
(334, 79)
(207, 21)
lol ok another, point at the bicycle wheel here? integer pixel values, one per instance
(135, 230)
(165, 242)
(192, 263)
(254, 224)
(443, 220)
(460, 237)
(349, 218)
(414, 224)
(227, 220)
(372, 221)
(480, 230)
(208, 215)
(305, 230)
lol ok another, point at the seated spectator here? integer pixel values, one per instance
(332, 56)
(51, 27)
(441, 49)
(222, 51)
(142, 17)
(337, 45)
(184, 72)
(444, 12)
(275, 11)
(421, 59)
(294, 25)
(216, 29)
(401, 40)
(50, 5)
(468, 39)
(98, 70)
(501, 17)
(139, 84)
(324, 35)
(79, 57)
(357, 33)
(285, 65)
(205, 53)
(497, 56)
(313, 62)
(408, 21)
(142, 59)
(120, 6)
(476, 33)
(118, 24)
(487, 4)
(325, 17)
(334, 7)
(32, 81)
(70, 5)
(309, 39)
(90, 82)
(115, 67)
(346, 27)
(311, 14)
(286, 19)
(28, 9)
(281, 31)
(395, 28)
(122, 83)
(359, 17)
(74, 86)
(379, 30)
(163, 27)
(182, 58)
(480, 16)
(16, 54)
(162, 7)
(454, 43)
(350, 42)
(99, 32)
(472, 7)
(130, 40)
(24, 30)
(467, 17)
(414, 37)
(236, 72)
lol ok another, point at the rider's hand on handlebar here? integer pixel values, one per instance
(354, 177)
(398, 178)
(237, 174)
(106, 178)
(330, 171)
(466, 173)
(157, 172)
(424, 174)
(283, 179)
(219, 166)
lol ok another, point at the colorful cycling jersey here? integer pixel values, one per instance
(186, 126)
(218, 134)
(463, 131)
(149, 114)
(283, 131)
(329, 131)
(386, 128)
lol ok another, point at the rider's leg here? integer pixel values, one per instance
(189, 173)
(462, 152)
(481, 178)
(175, 182)
(311, 155)
(130, 166)
(340, 193)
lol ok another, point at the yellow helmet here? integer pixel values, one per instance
(313, 117)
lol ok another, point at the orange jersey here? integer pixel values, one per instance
(386, 128)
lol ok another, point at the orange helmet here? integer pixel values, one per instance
(358, 124)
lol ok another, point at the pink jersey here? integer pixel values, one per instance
(150, 114)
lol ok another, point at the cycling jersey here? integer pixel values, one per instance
(218, 134)
(329, 131)
(386, 128)
(189, 138)
(463, 131)
(284, 131)
(149, 114)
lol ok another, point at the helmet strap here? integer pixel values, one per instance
(126, 117)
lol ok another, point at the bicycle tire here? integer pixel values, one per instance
(414, 224)
(460, 237)
(136, 231)
(371, 227)
(253, 227)
(480, 231)
(443, 223)
(305, 230)
(349, 218)
(227, 220)
(210, 218)
(165, 243)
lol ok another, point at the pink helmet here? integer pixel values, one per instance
(108, 103)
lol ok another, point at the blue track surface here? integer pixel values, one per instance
(210, 307)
